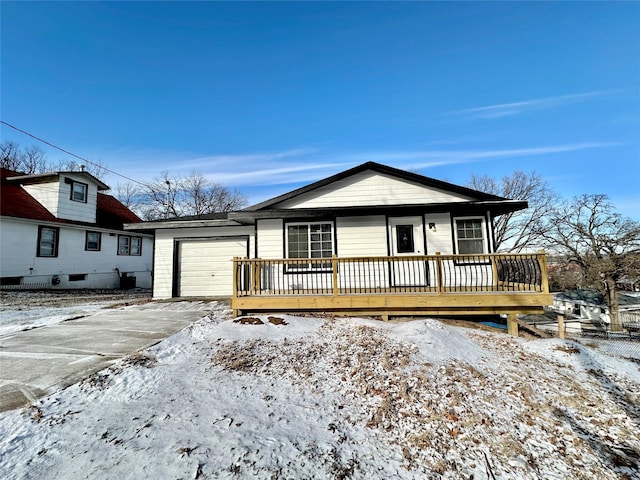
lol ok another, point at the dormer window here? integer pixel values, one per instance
(79, 191)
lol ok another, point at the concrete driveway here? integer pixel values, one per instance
(35, 363)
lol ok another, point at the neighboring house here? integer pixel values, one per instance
(587, 304)
(370, 239)
(58, 231)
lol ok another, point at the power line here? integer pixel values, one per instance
(72, 154)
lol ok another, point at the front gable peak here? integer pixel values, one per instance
(374, 184)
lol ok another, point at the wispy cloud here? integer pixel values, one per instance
(306, 168)
(516, 108)
(295, 167)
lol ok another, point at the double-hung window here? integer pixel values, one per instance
(129, 245)
(79, 191)
(48, 241)
(470, 235)
(309, 240)
(92, 241)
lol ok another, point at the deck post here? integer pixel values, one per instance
(512, 325)
(257, 273)
(439, 272)
(234, 294)
(494, 271)
(561, 326)
(334, 267)
(542, 258)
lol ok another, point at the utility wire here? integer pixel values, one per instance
(72, 154)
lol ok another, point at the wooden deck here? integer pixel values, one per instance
(387, 286)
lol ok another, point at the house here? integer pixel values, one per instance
(590, 306)
(372, 239)
(57, 230)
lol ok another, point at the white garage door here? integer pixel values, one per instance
(205, 268)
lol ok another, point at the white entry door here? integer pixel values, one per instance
(406, 238)
(205, 268)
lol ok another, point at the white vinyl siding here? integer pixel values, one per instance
(361, 236)
(270, 236)
(439, 236)
(47, 194)
(18, 257)
(371, 188)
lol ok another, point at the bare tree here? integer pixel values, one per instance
(27, 160)
(606, 246)
(172, 196)
(519, 230)
(32, 159)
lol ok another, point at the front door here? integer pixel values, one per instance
(406, 239)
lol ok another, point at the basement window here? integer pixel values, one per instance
(10, 281)
(77, 277)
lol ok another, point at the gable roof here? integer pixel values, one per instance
(16, 202)
(382, 169)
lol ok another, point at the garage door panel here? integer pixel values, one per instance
(205, 267)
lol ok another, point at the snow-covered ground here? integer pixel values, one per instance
(285, 397)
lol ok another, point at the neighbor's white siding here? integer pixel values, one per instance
(46, 194)
(55, 196)
(78, 211)
(164, 254)
(371, 188)
(19, 248)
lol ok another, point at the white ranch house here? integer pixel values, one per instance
(57, 230)
(372, 239)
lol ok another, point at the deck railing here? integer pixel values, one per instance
(437, 274)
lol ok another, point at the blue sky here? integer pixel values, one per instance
(265, 97)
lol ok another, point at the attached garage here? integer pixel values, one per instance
(203, 266)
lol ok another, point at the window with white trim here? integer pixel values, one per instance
(470, 235)
(129, 245)
(309, 240)
(79, 191)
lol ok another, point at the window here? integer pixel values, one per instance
(10, 281)
(309, 240)
(129, 245)
(404, 240)
(470, 236)
(48, 241)
(77, 277)
(79, 191)
(93, 241)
